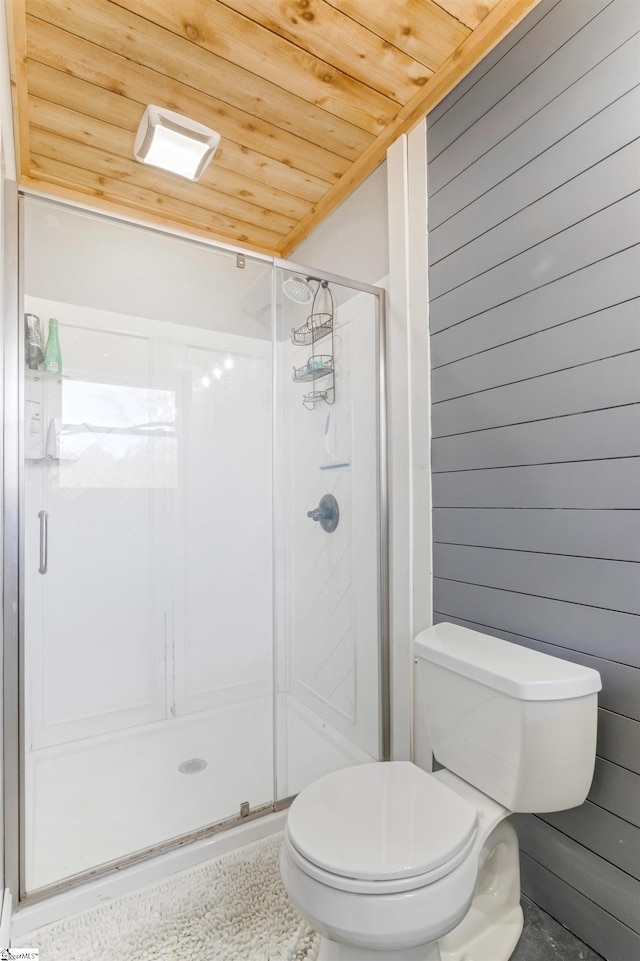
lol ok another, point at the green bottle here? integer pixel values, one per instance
(52, 357)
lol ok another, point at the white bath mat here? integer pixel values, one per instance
(232, 909)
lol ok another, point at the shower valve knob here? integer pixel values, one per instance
(327, 513)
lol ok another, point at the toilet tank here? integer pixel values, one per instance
(517, 724)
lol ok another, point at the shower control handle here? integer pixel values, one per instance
(44, 541)
(327, 513)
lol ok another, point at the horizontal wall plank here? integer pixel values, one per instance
(551, 69)
(581, 485)
(610, 332)
(495, 56)
(596, 287)
(597, 187)
(591, 875)
(606, 82)
(617, 790)
(613, 382)
(601, 135)
(607, 634)
(604, 933)
(601, 434)
(619, 739)
(605, 233)
(582, 580)
(601, 832)
(620, 683)
(580, 533)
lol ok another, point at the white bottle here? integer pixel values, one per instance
(32, 429)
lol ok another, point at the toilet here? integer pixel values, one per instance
(389, 862)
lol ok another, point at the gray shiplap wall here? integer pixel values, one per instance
(534, 277)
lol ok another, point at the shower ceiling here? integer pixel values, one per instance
(307, 96)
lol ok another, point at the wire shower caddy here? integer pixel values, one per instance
(318, 326)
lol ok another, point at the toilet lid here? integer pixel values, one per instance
(380, 821)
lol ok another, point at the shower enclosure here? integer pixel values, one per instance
(195, 641)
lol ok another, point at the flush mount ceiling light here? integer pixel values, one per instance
(172, 142)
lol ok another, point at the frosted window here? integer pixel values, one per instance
(115, 436)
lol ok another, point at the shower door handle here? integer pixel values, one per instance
(44, 541)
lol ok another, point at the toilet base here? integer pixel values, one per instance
(489, 930)
(488, 944)
(332, 951)
(493, 924)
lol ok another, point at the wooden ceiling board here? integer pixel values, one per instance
(87, 100)
(420, 28)
(229, 196)
(252, 47)
(469, 12)
(17, 50)
(111, 28)
(113, 138)
(341, 42)
(307, 96)
(109, 71)
(107, 177)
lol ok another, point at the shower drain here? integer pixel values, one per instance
(193, 766)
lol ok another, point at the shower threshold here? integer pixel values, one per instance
(81, 892)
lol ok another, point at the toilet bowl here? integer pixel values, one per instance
(388, 861)
(398, 868)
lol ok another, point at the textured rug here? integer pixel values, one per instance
(232, 909)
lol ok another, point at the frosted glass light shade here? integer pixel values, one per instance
(172, 142)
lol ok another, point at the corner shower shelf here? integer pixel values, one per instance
(45, 376)
(51, 460)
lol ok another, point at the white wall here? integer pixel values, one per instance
(128, 270)
(353, 240)
(408, 427)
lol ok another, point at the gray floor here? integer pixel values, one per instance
(543, 939)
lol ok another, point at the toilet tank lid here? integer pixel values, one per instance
(504, 666)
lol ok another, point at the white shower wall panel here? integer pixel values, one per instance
(222, 567)
(332, 612)
(314, 747)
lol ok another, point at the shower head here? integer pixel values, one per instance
(298, 290)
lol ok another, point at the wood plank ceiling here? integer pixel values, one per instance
(307, 96)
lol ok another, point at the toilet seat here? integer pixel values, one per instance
(379, 828)
(359, 886)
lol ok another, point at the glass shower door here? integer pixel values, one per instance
(147, 544)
